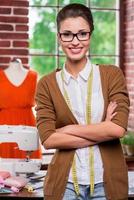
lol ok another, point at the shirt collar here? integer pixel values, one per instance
(84, 73)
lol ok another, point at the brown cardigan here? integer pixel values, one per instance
(53, 112)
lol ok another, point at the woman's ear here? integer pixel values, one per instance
(58, 36)
(58, 39)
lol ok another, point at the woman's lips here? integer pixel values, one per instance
(75, 50)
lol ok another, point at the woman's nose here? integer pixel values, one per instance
(75, 40)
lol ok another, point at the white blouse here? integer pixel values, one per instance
(78, 96)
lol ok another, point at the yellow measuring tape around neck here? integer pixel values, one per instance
(88, 121)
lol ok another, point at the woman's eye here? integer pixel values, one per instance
(66, 34)
(83, 33)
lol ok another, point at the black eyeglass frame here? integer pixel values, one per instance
(75, 35)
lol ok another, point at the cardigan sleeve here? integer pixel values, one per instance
(118, 92)
(45, 114)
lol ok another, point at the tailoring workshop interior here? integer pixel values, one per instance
(28, 50)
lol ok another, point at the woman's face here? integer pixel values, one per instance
(76, 49)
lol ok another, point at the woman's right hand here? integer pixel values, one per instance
(111, 111)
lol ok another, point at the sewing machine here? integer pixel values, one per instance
(28, 140)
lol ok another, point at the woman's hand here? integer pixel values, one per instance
(95, 133)
(110, 111)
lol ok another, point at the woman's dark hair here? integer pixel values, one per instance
(75, 10)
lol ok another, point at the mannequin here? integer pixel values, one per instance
(16, 73)
(17, 91)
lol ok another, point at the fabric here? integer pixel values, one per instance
(16, 181)
(53, 112)
(70, 194)
(4, 175)
(78, 103)
(16, 104)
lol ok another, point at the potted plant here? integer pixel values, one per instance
(128, 143)
(122, 140)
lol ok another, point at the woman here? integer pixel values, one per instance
(71, 117)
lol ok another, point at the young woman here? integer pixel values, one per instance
(72, 105)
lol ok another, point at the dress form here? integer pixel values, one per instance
(16, 73)
(17, 91)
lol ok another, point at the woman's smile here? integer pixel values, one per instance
(75, 50)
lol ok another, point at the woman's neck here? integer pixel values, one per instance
(74, 67)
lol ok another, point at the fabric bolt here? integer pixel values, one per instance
(16, 104)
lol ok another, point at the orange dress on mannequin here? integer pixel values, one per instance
(16, 104)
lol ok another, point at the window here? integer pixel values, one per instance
(45, 53)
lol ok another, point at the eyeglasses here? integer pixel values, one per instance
(69, 36)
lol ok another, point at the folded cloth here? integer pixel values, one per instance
(5, 190)
(4, 174)
(16, 181)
